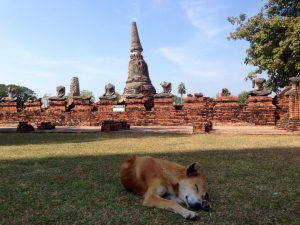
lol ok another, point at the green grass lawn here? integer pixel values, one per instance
(74, 178)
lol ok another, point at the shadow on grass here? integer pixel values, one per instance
(9, 139)
(246, 187)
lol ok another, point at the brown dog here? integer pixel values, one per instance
(166, 185)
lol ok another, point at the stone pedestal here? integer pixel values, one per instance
(135, 104)
(33, 107)
(57, 106)
(163, 104)
(227, 109)
(260, 110)
(194, 103)
(82, 105)
(105, 106)
(9, 107)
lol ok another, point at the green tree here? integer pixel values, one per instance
(87, 93)
(181, 91)
(176, 100)
(274, 37)
(243, 98)
(23, 93)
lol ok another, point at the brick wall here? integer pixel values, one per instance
(259, 111)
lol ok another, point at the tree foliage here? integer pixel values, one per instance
(243, 98)
(23, 93)
(181, 91)
(86, 94)
(274, 37)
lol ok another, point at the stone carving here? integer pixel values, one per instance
(295, 81)
(198, 95)
(12, 95)
(259, 88)
(60, 94)
(138, 75)
(225, 92)
(74, 87)
(110, 93)
(167, 88)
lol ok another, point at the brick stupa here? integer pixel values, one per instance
(138, 84)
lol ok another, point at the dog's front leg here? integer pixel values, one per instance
(151, 199)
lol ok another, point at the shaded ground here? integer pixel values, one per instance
(219, 129)
(74, 178)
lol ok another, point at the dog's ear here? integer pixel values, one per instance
(194, 170)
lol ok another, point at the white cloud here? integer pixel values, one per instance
(191, 64)
(204, 15)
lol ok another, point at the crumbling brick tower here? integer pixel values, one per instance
(138, 82)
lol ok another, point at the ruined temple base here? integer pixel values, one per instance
(163, 104)
(57, 106)
(227, 109)
(82, 105)
(135, 104)
(9, 107)
(260, 110)
(105, 105)
(195, 103)
(289, 124)
(33, 107)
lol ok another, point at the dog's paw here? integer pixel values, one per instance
(189, 215)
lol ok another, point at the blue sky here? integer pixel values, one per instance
(44, 44)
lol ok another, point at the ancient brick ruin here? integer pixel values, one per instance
(141, 105)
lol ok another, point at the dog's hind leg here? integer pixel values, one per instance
(152, 199)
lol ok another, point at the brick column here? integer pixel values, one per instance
(294, 105)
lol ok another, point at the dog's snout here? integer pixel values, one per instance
(205, 206)
(196, 206)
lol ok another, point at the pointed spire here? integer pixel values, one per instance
(135, 40)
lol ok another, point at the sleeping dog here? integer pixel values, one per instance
(166, 185)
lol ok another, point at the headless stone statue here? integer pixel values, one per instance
(110, 93)
(166, 93)
(295, 81)
(225, 92)
(198, 95)
(259, 88)
(12, 95)
(60, 94)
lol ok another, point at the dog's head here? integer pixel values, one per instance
(193, 189)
